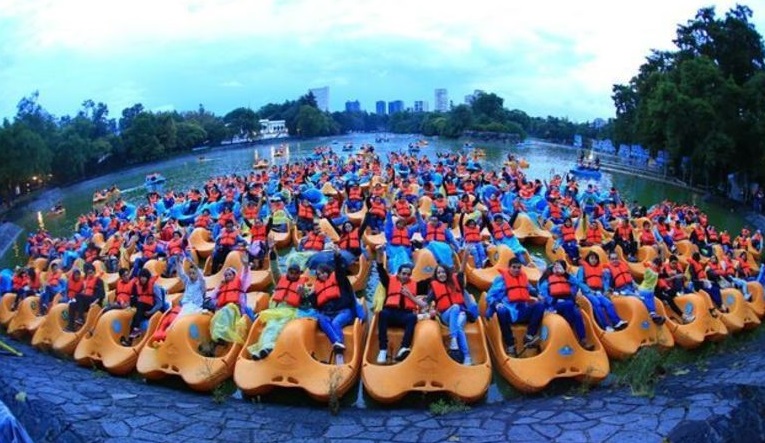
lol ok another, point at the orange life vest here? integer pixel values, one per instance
(451, 188)
(435, 233)
(472, 234)
(305, 212)
(326, 290)
(447, 296)
(378, 209)
(516, 288)
(568, 233)
(697, 269)
(286, 291)
(559, 286)
(350, 240)
(227, 238)
(624, 231)
(202, 221)
(149, 250)
(647, 238)
(175, 246)
(495, 206)
(394, 297)
(145, 292)
(74, 287)
(620, 274)
(555, 212)
(354, 194)
(124, 291)
(593, 276)
(54, 278)
(400, 237)
(403, 209)
(594, 236)
(229, 291)
(332, 209)
(314, 242)
(501, 230)
(258, 232)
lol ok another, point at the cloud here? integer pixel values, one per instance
(546, 57)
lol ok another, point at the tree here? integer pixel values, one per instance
(141, 140)
(241, 122)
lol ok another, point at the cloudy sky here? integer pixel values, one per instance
(546, 57)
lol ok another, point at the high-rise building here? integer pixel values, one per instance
(420, 106)
(380, 107)
(442, 100)
(352, 106)
(395, 106)
(470, 98)
(322, 97)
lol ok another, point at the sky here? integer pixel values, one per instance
(545, 57)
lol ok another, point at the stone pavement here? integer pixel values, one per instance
(58, 401)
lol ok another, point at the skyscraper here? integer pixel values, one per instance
(380, 107)
(352, 106)
(442, 100)
(322, 97)
(420, 106)
(395, 106)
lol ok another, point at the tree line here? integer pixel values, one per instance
(38, 146)
(703, 102)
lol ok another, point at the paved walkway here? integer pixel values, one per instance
(59, 401)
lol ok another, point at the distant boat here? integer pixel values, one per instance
(153, 181)
(586, 171)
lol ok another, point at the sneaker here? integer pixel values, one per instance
(264, 353)
(467, 361)
(339, 360)
(658, 319)
(587, 346)
(748, 296)
(530, 341)
(621, 325)
(403, 353)
(510, 350)
(124, 341)
(713, 312)
(338, 347)
(382, 357)
(609, 329)
(456, 355)
(688, 318)
(724, 309)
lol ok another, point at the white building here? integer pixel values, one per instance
(470, 98)
(420, 106)
(442, 100)
(322, 97)
(273, 128)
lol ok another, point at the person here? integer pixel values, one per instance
(559, 289)
(454, 306)
(399, 309)
(510, 297)
(287, 298)
(54, 284)
(225, 243)
(624, 238)
(700, 280)
(566, 239)
(438, 239)
(147, 297)
(314, 240)
(502, 234)
(334, 300)
(83, 293)
(123, 291)
(21, 286)
(192, 300)
(647, 289)
(350, 237)
(591, 274)
(149, 249)
(670, 284)
(618, 279)
(470, 232)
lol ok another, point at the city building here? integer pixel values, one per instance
(322, 97)
(352, 106)
(395, 106)
(470, 98)
(272, 129)
(380, 107)
(420, 106)
(442, 100)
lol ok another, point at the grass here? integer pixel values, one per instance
(644, 370)
(223, 391)
(444, 406)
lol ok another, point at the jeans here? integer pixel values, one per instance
(646, 296)
(530, 313)
(455, 318)
(140, 315)
(568, 310)
(479, 253)
(396, 317)
(603, 310)
(333, 325)
(572, 249)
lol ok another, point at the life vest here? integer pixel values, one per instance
(716, 268)
(440, 203)
(516, 288)
(354, 194)
(114, 247)
(332, 209)
(624, 232)
(559, 286)
(250, 213)
(202, 221)
(743, 242)
(568, 233)
(451, 188)
(472, 235)
(662, 229)
(305, 212)
(350, 240)
(378, 209)
(446, 296)
(149, 250)
(394, 297)
(403, 209)
(90, 285)
(594, 236)
(74, 287)
(91, 255)
(712, 235)
(400, 237)
(700, 234)
(19, 282)
(314, 242)
(258, 232)
(647, 238)
(225, 217)
(593, 276)
(54, 278)
(286, 291)
(501, 230)
(466, 206)
(145, 293)
(746, 268)
(495, 206)
(469, 187)
(435, 233)
(227, 238)
(725, 239)
(124, 291)
(555, 212)
(697, 270)
(678, 234)
(326, 290)
(620, 274)
(229, 291)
